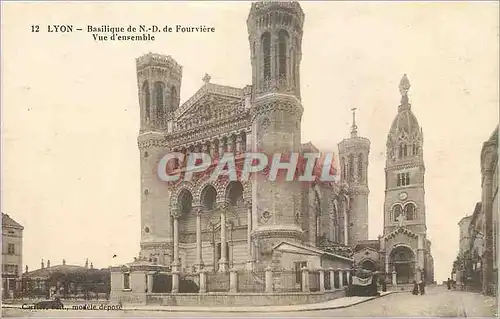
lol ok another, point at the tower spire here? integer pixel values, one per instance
(404, 87)
(354, 127)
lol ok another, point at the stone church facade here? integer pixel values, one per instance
(220, 225)
(217, 225)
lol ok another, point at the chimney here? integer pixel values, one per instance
(91, 266)
(64, 262)
(48, 263)
(42, 265)
(26, 268)
(87, 263)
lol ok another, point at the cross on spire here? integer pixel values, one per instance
(354, 127)
(404, 87)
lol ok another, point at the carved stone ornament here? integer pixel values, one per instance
(265, 123)
(266, 216)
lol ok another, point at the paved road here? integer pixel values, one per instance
(437, 302)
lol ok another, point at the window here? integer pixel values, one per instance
(351, 166)
(11, 249)
(266, 47)
(126, 281)
(282, 49)
(396, 211)
(403, 179)
(147, 100)
(410, 212)
(360, 166)
(159, 95)
(173, 98)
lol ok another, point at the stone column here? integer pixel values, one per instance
(230, 141)
(203, 281)
(332, 227)
(233, 280)
(250, 261)
(305, 279)
(223, 262)
(394, 279)
(238, 143)
(332, 278)
(341, 278)
(212, 149)
(199, 260)
(221, 148)
(175, 281)
(348, 276)
(344, 209)
(321, 279)
(175, 263)
(150, 282)
(269, 279)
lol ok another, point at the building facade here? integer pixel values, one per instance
(12, 255)
(217, 225)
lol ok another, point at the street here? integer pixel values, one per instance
(437, 302)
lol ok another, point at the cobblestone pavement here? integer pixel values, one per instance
(437, 302)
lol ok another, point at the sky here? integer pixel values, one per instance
(70, 113)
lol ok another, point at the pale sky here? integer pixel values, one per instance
(70, 113)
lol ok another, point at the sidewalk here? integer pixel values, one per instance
(332, 304)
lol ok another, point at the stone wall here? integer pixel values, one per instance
(242, 299)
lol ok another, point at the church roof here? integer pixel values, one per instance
(8, 222)
(405, 124)
(371, 243)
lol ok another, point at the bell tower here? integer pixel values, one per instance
(275, 36)
(158, 82)
(354, 153)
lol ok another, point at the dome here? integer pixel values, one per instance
(404, 127)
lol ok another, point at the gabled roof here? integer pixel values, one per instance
(372, 244)
(209, 89)
(7, 221)
(306, 250)
(401, 230)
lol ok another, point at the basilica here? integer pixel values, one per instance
(221, 225)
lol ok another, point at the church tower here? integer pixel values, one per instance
(404, 207)
(353, 154)
(404, 172)
(159, 82)
(275, 36)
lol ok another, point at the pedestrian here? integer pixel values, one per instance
(448, 283)
(415, 288)
(421, 286)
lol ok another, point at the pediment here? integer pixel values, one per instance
(297, 249)
(211, 103)
(401, 230)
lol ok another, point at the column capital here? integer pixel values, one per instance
(175, 213)
(198, 210)
(223, 206)
(248, 204)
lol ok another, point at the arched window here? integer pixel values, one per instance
(159, 97)
(405, 149)
(282, 49)
(266, 47)
(173, 98)
(396, 211)
(147, 100)
(410, 212)
(343, 168)
(415, 149)
(351, 166)
(360, 166)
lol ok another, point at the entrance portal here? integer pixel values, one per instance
(402, 261)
